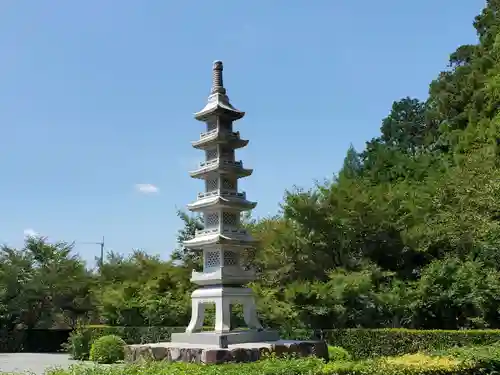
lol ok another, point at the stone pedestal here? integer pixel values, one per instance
(213, 354)
(222, 297)
(225, 339)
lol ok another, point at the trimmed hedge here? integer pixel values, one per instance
(465, 361)
(359, 343)
(366, 343)
(134, 335)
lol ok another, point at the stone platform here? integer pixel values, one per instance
(213, 354)
(223, 339)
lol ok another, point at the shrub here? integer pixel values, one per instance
(131, 335)
(486, 357)
(307, 366)
(108, 349)
(336, 353)
(410, 364)
(78, 345)
(367, 343)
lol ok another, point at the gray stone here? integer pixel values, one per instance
(213, 354)
(225, 338)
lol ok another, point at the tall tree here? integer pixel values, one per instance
(188, 257)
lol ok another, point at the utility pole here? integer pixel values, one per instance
(101, 244)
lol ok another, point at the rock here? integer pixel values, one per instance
(178, 352)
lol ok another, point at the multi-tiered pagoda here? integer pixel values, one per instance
(223, 239)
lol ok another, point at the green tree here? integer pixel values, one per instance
(188, 257)
(43, 285)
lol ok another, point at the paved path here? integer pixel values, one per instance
(35, 363)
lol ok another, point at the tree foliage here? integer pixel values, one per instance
(407, 233)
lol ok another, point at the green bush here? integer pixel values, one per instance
(108, 349)
(408, 364)
(272, 366)
(78, 345)
(336, 353)
(486, 357)
(468, 361)
(80, 340)
(367, 343)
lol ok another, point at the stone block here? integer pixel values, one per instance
(212, 354)
(223, 339)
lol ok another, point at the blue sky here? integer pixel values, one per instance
(98, 96)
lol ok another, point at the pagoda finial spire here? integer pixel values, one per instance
(217, 82)
(218, 101)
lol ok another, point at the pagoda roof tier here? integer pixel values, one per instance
(237, 238)
(219, 167)
(223, 275)
(223, 199)
(218, 106)
(214, 137)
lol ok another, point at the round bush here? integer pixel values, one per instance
(336, 353)
(107, 349)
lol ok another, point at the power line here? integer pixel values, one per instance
(101, 244)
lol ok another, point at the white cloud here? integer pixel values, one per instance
(30, 233)
(147, 188)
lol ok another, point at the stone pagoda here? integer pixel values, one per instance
(222, 240)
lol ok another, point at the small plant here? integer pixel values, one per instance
(336, 353)
(108, 349)
(78, 344)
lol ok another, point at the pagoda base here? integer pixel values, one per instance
(212, 354)
(223, 297)
(224, 339)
